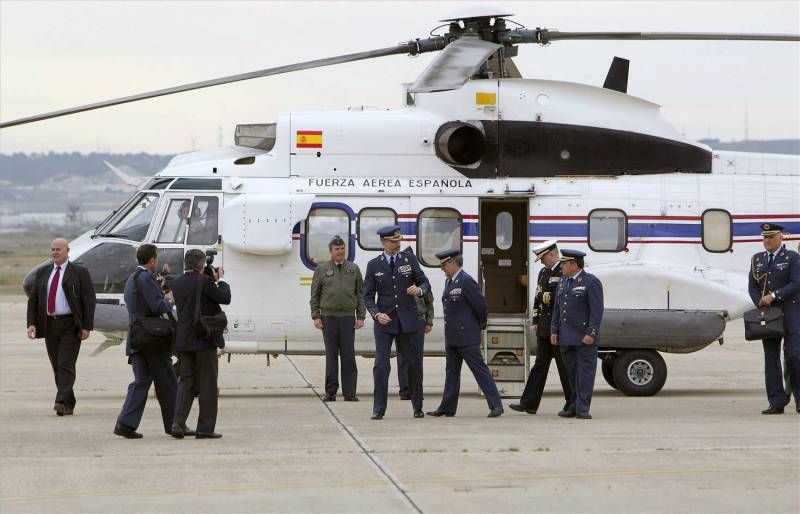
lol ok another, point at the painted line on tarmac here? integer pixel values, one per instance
(382, 483)
(365, 450)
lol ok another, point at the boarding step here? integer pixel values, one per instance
(505, 349)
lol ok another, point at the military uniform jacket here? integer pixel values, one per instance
(578, 310)
(465, 311)
(385, 292)
(337, 293)
(783, 278)
(78, 291)
(546, 288)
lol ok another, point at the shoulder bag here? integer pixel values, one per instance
(149, 333)
(208, 326)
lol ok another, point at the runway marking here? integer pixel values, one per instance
(419, 481)
(365, 450)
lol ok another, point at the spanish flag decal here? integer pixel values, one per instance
(309, 139)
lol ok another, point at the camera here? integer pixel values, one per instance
(209, 268)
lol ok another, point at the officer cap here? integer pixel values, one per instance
(541, 249)
(390, 232)
(447, 255)
(571, 255)
(336, 241)
(770, 229)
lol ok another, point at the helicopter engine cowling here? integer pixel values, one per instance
(461, 143)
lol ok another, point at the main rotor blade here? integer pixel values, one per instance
(545, 36)
(455, 65)
(412, 47)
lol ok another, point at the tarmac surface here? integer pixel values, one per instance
(701, 445)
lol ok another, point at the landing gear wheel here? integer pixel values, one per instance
(607, 367)
(639, 372)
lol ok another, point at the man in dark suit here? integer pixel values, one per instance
(426, 313)
(143, 298)
(775, 282)
(396, 279)
(197, 353)
(61, 310)
(546, 286)
(465, 314)
(575, 327)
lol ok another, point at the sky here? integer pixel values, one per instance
(62, 54)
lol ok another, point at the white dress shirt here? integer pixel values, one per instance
(62, 307)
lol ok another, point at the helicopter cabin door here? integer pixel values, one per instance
(504, 255)
(188, 220)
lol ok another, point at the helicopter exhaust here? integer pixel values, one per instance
(460, 143)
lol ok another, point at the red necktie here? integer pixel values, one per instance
(51, 296)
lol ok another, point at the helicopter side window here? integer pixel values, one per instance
(717, 230)
(370, 219)
(176, 221)
(203, 224)
(608, 230)
(110, 265)
(134, 223)
(438, 229)
(321, 225)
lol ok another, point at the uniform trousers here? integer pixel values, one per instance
(382, 368)
(149, 367)
(198, 371)
(402, 368)
(63, 344)
(777, 395)
(581, 364)
(339, 334)
(471, 354)
(534, 387)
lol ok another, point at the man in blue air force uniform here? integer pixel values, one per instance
(396, 279)
(575, 327)
(775, 282)
(465, 314)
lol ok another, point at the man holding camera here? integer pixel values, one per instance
(197, 351)
(144, 298)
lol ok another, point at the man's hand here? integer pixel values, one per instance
(359, 323)
(383, 319)
(318, 323)
(414, 291)
(766, 300)
(84, 334)
(587, 340)
(554, 339)
(220, 272)
(428, 328)
(32, 332)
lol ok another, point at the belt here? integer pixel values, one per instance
(60, 316)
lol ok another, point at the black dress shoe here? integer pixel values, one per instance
(377, 416)
(439, 413)
(126, 432)
(495, 412)
(773, 410)
(519, 408)
(329, 398)
(351, 398)
(177, 432)
(419, 414)
(207, 435)
(59, 408)
(405, 397)
(584, 415)
(566, 414)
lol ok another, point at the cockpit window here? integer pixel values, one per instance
(133, 223)
(200, 184)
(110, 265)
(158, 183)
(176, 221)
(203, 225)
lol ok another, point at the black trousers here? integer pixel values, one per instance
(149, 367)
(402, 367)
(339, 333)
(198, 372)
(63, 344)
(534, 387)
(472, 355)
(382, 368)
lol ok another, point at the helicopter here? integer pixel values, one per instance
(480, 159)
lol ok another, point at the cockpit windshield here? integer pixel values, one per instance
(132, 221)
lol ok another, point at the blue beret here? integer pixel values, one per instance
(770, 229)
(447, 255)
(391, 232)
(571, 255)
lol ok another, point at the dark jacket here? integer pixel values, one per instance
(390, 290)
(79, 291)
(546, 288)
(465, 311)
(578, 310)
(184, 290)
(151, 301)
(783, 278)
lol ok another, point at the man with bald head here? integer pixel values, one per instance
(61, 310)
